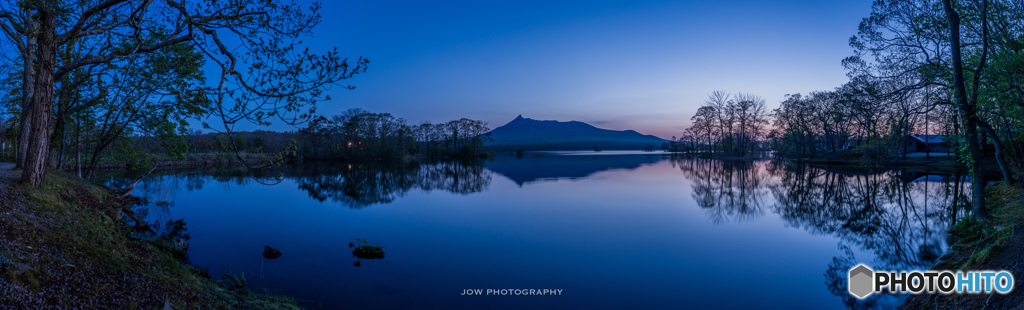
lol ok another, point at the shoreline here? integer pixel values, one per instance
(67, 244)
(996, 244)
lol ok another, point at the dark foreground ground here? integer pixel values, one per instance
(1008, 258)
(996, 245)
(66, 246)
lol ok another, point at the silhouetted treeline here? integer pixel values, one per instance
(355, 135)
(360, 135)
(244, 141)
(861, 119)
(726, 125)
(922, 74)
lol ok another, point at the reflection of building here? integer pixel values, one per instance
(926, 143)
(852, 142)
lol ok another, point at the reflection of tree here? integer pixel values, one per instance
(903, 223)
(354, 185)
(454, 177)
(835, 280)
(363, 185)
(156, 198)
(726, 189)
(360, 186)
(900, 217)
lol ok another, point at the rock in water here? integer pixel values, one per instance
(270, 253)
(357, 264)
(368, 252)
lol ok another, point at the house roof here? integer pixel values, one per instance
(930, 138)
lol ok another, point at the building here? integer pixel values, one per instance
(926, 143)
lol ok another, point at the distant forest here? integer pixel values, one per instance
(355, 135)
(948, 74)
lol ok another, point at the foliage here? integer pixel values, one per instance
(140, 63)
(1007, 204)
(360, 135)
(135, 160)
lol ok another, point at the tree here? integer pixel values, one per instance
(966, 106)
(151, 94)
(919, 44)
(278, 82)
(793, 132)
(722, 109)
(733, 126)
(703, 126)
(751, 115)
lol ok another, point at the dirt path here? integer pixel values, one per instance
(7, 176)
(5, 169)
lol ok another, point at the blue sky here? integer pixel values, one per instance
(645, 65)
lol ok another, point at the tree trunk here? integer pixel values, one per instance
(27, 91)
(42, 101)
(1007, 176)
(979, 212)
(967, 109)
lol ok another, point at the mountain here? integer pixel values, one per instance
(531, 134)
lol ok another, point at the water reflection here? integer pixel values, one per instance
(886, 219)
(903, 223)
(552, 167)
(726, 190)
(364, 185)
(901, 217)
(353, 185)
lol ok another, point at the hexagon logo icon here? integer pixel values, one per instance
(860, 281)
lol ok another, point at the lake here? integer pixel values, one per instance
(611, 231)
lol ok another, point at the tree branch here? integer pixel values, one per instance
(74, 30)
(120, 53)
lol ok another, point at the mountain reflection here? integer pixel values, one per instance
(554, 167)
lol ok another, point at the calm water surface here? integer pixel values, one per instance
(611, 231)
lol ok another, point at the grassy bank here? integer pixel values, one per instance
(65, 245)
(996, 244)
